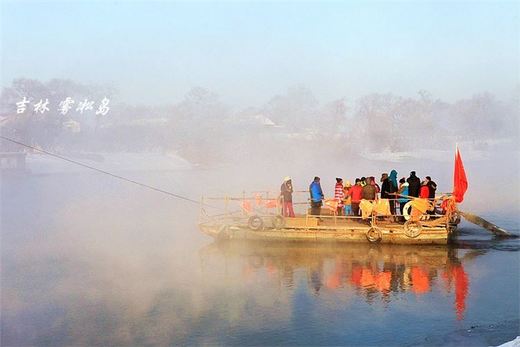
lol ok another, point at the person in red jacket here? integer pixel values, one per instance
(424, 192)
(355, 193)
(428, 192)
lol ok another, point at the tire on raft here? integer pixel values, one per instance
(407, 209)
(374, 235)
(412, 229)
(255, 223)
(279, 221)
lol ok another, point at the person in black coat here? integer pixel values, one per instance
(414, 184)
(432, 187)
(388, 191)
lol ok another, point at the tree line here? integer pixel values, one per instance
(204, 129)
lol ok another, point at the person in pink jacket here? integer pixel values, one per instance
(339, 195)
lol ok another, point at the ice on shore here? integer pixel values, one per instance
(512, 343)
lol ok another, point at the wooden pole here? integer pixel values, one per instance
(486, 225)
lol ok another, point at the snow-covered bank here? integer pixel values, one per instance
(434, 155)
(512, 343)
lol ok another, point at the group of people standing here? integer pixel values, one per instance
(348, 196)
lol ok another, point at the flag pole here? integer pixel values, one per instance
(477, 220)
(454, 163)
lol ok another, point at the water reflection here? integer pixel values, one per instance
(95, 265)
(375, 273)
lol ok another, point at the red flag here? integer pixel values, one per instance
(460, 183)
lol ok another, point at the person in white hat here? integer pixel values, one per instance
(286, 194)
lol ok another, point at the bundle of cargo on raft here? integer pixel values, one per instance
(257, 217)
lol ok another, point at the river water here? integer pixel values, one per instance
(90, 261)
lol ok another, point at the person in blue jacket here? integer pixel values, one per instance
(403, 190)
(316, 196)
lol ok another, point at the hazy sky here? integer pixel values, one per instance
(154, 52)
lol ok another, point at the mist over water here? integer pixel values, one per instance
(90, 260)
